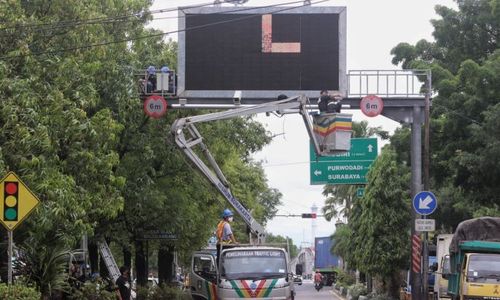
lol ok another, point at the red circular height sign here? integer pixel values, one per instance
(155, 106)
(371, 105)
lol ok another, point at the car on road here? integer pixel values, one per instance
(297, 279)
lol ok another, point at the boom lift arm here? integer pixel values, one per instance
(187, 137)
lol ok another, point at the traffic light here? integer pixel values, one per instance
(10, 201)
(308, 216)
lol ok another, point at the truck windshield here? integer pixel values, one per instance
(484, 268)
(253, 264)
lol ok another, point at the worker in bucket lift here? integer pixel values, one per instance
(151, 79)
(323, 100)
(334, 102)
(166, 70)
(225, 235)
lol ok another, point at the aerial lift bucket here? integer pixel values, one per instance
(333, 132)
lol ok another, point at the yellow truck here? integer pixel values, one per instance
(475, 260)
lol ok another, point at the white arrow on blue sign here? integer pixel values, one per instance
(425, 203)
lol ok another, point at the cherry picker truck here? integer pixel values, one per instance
(255, 271)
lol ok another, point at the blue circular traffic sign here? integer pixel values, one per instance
(425, 203)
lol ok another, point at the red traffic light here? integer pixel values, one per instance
(10, 201)
(309, 216)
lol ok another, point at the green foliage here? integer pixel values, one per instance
(357, 290)
(18, 292)
(380, 221)
(465, 155)
(361, 129)
(166, 292)
(384, 220)
(282, 241)
(72, 126)
(342, 237)
(142, 292)
(339, 200)
(465, 64)
(344, 278)
(45, 265)
(92, 291)
(375, 296)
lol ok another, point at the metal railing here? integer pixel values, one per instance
(387, 83)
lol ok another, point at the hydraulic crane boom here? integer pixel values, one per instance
(187, 137)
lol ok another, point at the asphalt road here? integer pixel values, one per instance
(307, 291)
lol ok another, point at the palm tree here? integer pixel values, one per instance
(339, 200)
(361, 129)
(46, 265)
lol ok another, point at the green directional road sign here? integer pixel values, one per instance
(346, 168)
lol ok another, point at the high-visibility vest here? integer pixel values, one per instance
(220, 232)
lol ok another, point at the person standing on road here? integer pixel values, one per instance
(224, 232)
(123, 283)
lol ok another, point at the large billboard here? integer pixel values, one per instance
(260, 52)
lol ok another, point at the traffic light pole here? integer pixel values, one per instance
(9, 261)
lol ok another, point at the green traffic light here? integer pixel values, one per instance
(10, 214)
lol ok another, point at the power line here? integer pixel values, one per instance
(228, 11)
(286, 164)
(127, 18)
(294, 215)
(124, 20)
(62, 24)
(149, 36)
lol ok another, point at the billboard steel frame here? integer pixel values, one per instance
(253, 96)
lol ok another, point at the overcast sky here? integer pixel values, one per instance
(373, 29)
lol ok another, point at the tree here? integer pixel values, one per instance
(45, 264)
(380, 222)
(284, 242)
(72, 126)
(339, 204)
(464, 61)
(342, 246)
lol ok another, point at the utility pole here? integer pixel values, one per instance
(427, 132)
(416, 187)
(425, 271)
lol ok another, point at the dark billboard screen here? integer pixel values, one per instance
(226, 51)
(229, 56)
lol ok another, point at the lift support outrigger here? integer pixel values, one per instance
(187, 137)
